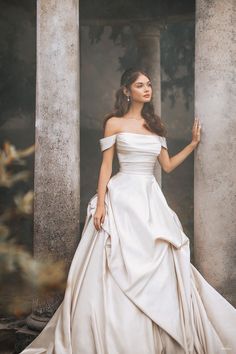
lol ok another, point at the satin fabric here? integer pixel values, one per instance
(131, 287)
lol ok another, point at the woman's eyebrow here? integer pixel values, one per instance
(142, 82)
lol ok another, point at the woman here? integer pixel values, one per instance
(131, 288)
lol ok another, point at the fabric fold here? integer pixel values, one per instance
(131, 287)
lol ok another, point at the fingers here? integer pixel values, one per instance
(196, 130)
(98, 222)
(196, 125)
(196, 121)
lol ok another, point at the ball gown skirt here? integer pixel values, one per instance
(131, 287)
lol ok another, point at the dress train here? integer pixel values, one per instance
(131, 287)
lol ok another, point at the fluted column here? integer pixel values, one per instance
(215, 167)
(148, 54)
(57, 182)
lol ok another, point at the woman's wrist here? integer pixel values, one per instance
(100, 203)
(193, 145)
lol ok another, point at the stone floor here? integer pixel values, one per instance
(14, 335)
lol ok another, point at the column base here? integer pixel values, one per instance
(36, 322)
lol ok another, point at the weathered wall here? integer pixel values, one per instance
(215, 168)
(17, 71)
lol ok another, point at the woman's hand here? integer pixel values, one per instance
(196, 132)
(99, 216)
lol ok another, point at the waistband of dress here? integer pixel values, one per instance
(137, 168)
(136, 172)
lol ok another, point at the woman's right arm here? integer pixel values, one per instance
(104, 175)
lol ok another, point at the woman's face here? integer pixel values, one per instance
(141, 89)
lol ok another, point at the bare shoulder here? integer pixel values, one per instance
(112, 126)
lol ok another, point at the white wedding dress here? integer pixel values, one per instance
(131, 288)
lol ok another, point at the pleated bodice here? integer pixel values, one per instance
(137, 153)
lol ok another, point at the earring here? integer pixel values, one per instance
(128, 98)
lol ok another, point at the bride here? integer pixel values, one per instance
(131, 287)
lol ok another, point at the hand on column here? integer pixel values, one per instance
(196, 132)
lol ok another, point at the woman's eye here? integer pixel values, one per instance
(139, 86)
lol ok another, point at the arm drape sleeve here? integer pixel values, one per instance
(107, 142)
(163, 142)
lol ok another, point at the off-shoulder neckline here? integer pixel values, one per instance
(133, 134)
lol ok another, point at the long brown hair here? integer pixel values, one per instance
(152, 121)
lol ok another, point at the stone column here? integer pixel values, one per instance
(57, 178)
(215, 167)
(148, 54)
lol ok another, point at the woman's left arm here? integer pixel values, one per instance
(170, 163)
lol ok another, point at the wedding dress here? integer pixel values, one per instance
(131, 288)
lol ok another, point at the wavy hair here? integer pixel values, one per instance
(153, 122)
